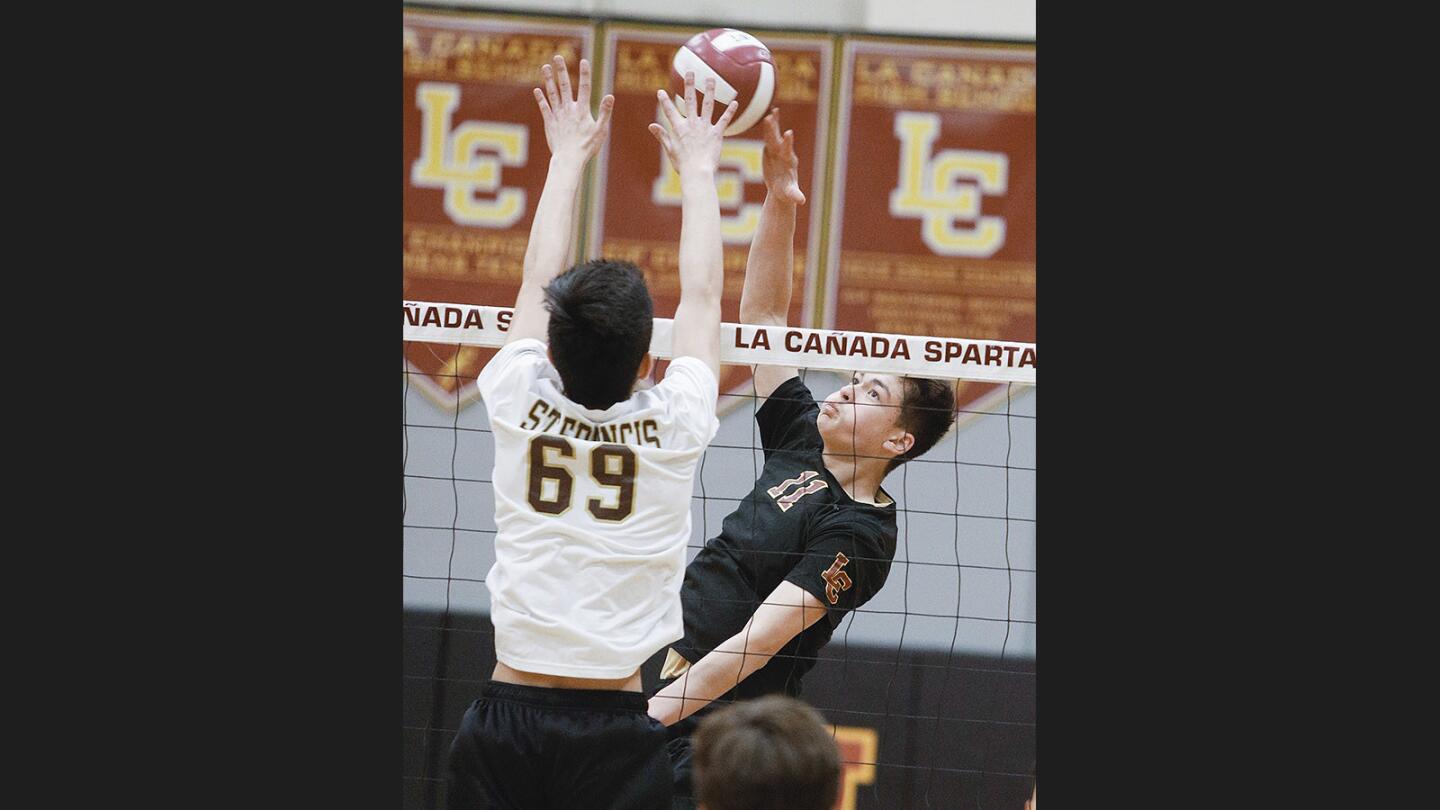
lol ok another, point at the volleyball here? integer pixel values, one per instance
(740, 64)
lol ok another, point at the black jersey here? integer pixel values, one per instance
(796, 525)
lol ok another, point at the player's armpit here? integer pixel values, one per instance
(768, 378)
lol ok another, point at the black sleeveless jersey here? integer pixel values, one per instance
(796, 525)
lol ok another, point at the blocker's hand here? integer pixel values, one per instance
(693, 143)
(570, 131)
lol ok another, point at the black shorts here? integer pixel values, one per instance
(677, 748)
(529, 748)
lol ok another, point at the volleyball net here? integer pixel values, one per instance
(929, 685)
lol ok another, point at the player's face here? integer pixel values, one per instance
(861, 416)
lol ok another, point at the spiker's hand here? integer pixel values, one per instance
(782, 167)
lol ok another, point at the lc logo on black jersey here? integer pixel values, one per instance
(835, 579)
(787, 501)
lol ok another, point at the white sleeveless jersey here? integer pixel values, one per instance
(592, 509)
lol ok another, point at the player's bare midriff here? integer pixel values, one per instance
(506, 674)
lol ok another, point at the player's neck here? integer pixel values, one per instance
(859, 477)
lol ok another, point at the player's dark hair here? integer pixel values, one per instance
(926, 412)
(600, 323)
(771, 753)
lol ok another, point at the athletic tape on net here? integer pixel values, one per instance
(744, 344)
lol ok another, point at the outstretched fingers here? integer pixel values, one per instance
(772, 128)
(793, 190)
(707, 108)
(668, 108)
(551, 94)
(545, 112)
(727, 115)
(690, 94)
(664, 138)
(564, 78)
(606, 105)
(583, 88)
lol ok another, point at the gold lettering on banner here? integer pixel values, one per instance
(894, 301)
(941, 84)
(467, 254)
(744, 159)
(642, 67)
(466, 161)
(797, 77)
(482, 57)
(943, 190)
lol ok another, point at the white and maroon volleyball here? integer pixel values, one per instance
(742, 68)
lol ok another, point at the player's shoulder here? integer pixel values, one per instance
(687, 397)
(693, 371)
(880, 520)
(521, 346)
(791, 400)
(862, 523)
(792, 390)
(524, 351)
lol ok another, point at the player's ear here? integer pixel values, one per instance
(645, 363)
(900, 445)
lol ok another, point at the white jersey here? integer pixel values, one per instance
(592, 509)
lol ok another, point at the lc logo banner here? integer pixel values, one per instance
(944, 190)
(466, 162)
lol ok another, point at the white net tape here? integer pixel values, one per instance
(744, 344)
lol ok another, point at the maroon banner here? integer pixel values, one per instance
(635, 210)
(474, 165)
(933, 225)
